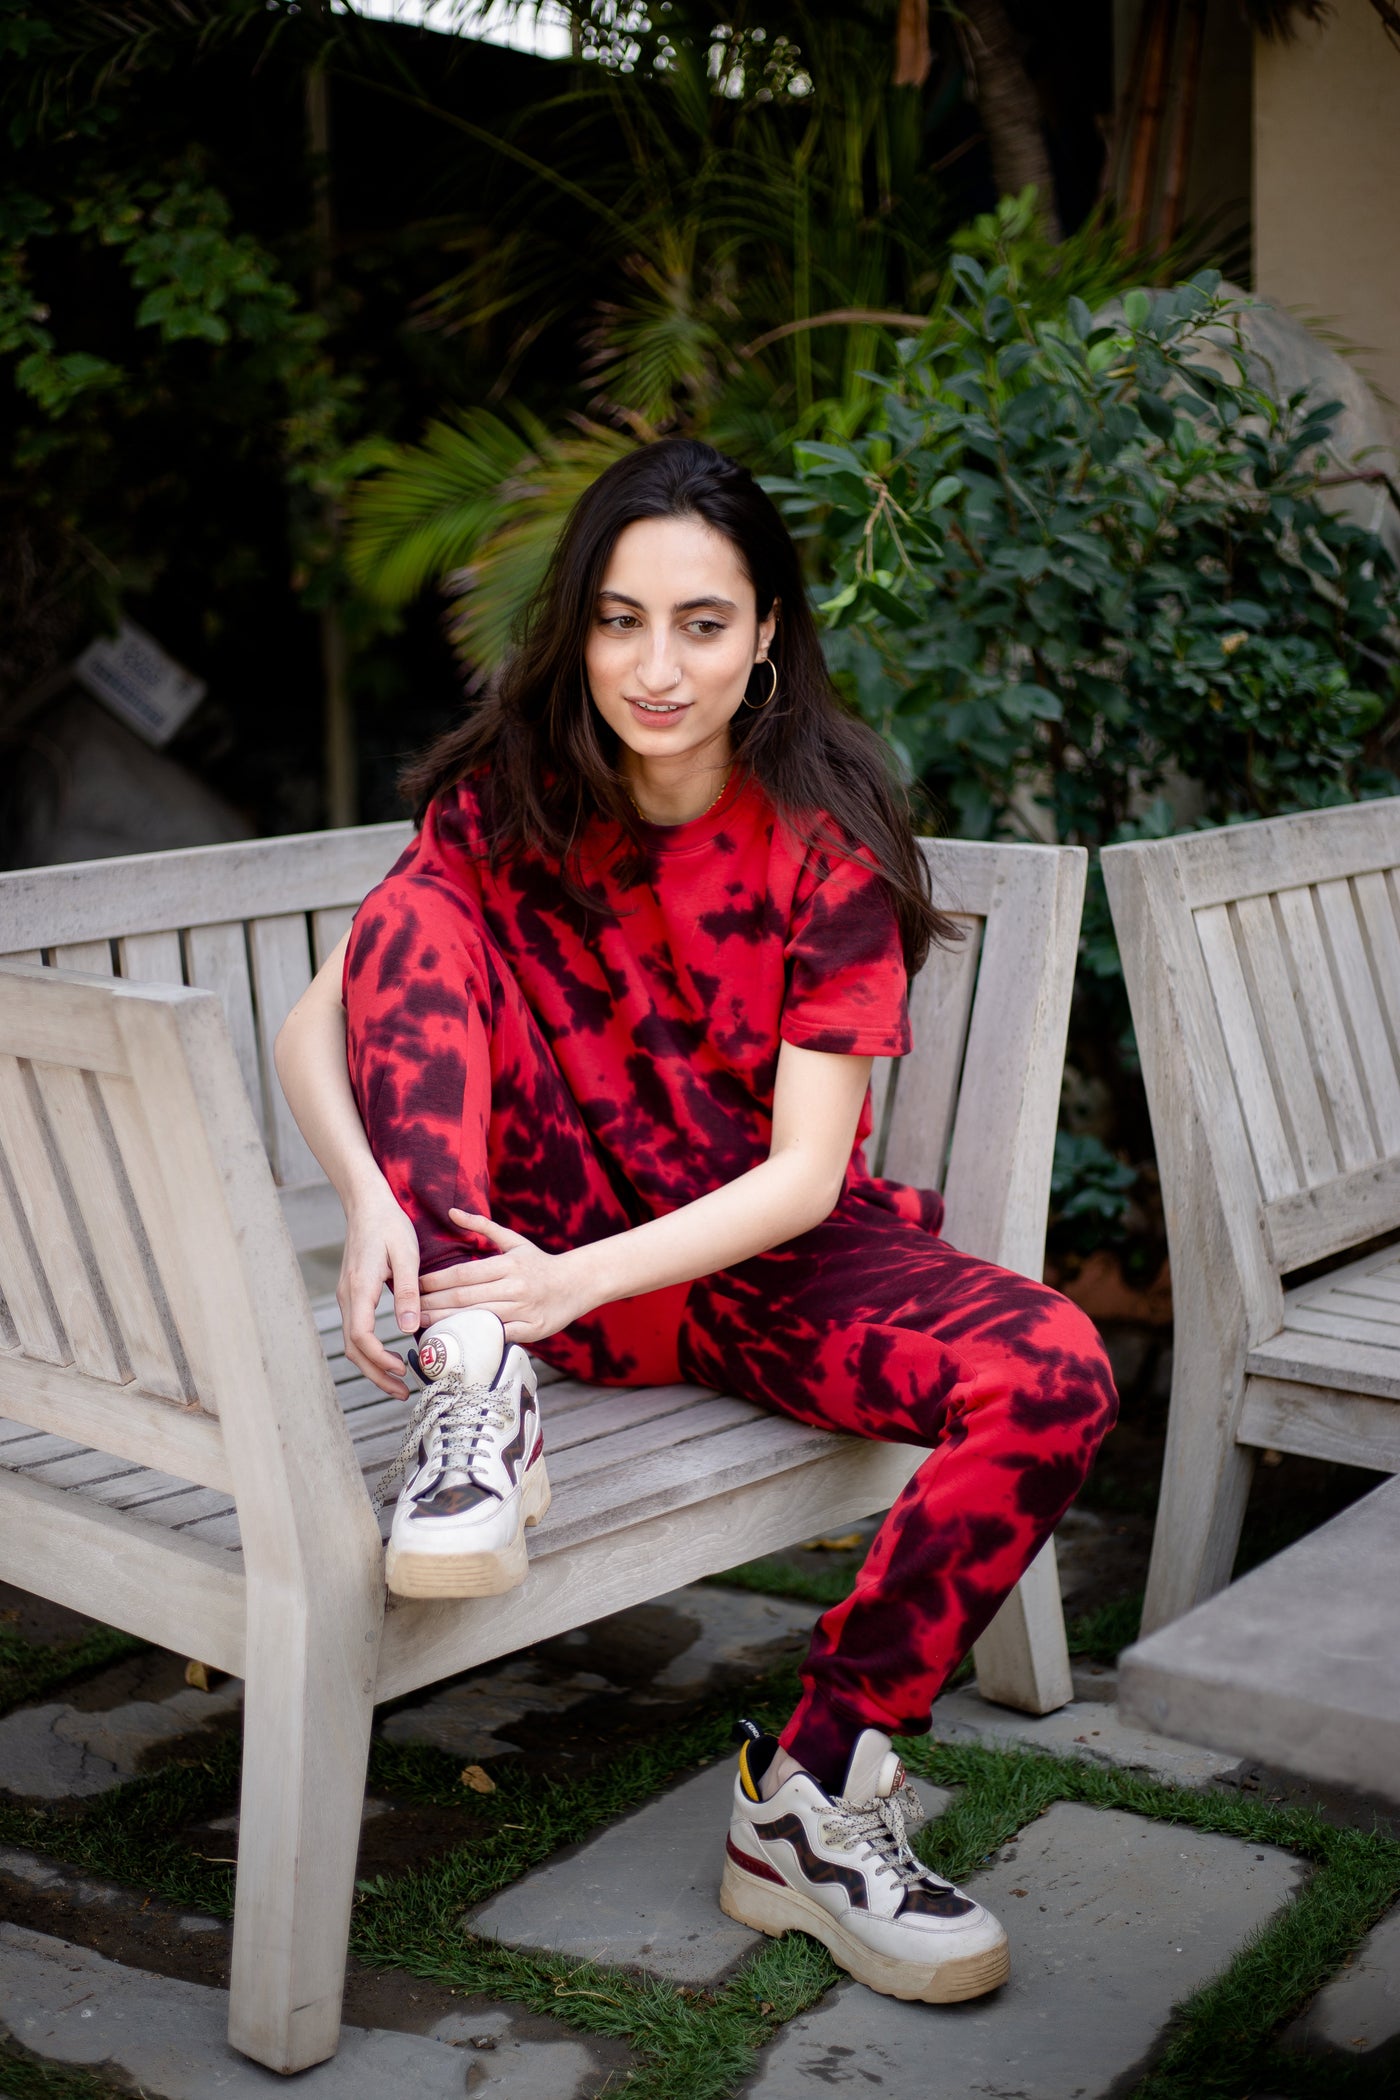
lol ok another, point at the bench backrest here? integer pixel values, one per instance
(150, 1303)
(250, 922)
(973, 1110)
(1263, 962)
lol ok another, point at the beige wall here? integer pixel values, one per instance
(1327, 184)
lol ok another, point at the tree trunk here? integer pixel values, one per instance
(1155, 47)
(1007, 105)
(339, 752)
(912, 56)
(1181, 124)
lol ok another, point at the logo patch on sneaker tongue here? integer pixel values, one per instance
(432, 1355)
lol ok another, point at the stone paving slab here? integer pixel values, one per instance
(1359, 2010)
(675, 1648)
(1113, 1920)
(72, 2006)
(1085, 1728)
(56, 1751)
(645, 1892)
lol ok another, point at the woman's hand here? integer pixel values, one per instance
(533, 1293)
(380, 1247)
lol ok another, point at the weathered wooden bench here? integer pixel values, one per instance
(183, 1445)
(1263, 966)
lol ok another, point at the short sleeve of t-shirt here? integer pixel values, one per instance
(846, 982)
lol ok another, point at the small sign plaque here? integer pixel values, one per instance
(131, 674)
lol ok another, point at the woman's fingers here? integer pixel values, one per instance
(493, 1296)
(499, 1235)
(382, 1369)
(403, 1281)
(368, 1354)
(492, 1268)
(358, 1297)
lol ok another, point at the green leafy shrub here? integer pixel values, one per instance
(1078, 562)
(1089, 1191)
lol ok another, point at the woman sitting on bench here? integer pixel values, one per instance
(595, 1082)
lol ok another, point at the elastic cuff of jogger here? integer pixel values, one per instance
(821, 1736)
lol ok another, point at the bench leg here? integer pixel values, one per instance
(307, 1716)
(1022, 1659)
(1206, 1477)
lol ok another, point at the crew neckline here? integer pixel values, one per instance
(697, 831)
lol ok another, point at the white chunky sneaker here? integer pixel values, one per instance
(474, 1457)
(840, 1868)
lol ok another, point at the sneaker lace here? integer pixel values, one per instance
(461, 1413)
(882, 1824)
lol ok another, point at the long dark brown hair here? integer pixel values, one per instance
(550, 761)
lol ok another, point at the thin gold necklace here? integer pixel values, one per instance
(684, 820)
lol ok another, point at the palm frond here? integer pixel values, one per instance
(493, 591)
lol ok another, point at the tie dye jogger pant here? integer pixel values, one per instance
(871, 1323)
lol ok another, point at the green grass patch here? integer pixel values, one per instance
(24, 2076)
(774, 1575)
(29, 1670)
(1102, 1635)
(131, 1835)
(1095, 1636)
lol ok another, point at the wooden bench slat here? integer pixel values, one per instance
(156, 1584)
(1316, 1359)
(148, 1430)
(328, 927)
(1378, 901)
(39, 1448)
(94, 957)
(14, 1433)
(629, 1407)
(77, 1117)
(197, 886)
(66, 1262)
(151, 958)
(1380, 1289)
(1319, 1421)
(1315, 992)
(1344, 1326)
(925, 1090)
(31, 1318)
(1362, 991)
(80, 1469)
(627, 1448)
(1355, 1305)
(1315, 1223)
(281, 959)
(218, 962)
(1286, 1046)
(1273, 1156)
(669, 1479)
(1244, 860)
(137, 1492)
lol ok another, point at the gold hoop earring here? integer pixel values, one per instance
(772, 690)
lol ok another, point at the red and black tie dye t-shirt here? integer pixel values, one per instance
(666, 1007)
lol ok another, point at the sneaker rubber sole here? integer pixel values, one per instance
(471, 1574)
(767, 1908)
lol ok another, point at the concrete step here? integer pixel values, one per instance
(1297, 1664)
